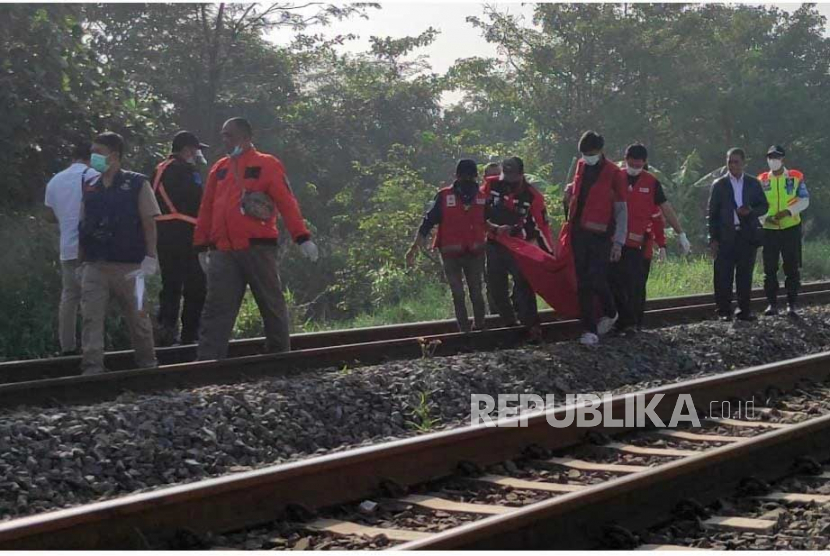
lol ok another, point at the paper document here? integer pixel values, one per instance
(139, 292)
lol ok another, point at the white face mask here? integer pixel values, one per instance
(633, 171)
(591, 160)
(775, 164)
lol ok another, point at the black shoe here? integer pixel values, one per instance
(771, 310)
(534, 334)
(625, 331)
(791, 312)
(745, 316)
(724, 316)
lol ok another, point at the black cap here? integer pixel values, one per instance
(513, 166)
(775, 150)
(466, 167)
(186, 139)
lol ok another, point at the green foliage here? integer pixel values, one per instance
(56, 90)
(421, 409)
(366, 141)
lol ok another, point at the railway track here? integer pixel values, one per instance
(18, 387)
(701, 464)
(58, 367)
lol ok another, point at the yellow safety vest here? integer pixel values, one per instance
(782, 193)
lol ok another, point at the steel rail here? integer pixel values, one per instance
(107, 386)
(637, 501)
(257, 497)
(58, 367)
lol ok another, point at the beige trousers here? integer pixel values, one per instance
(99, 282)
(70, 302)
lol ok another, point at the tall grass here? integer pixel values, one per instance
(676, 277)
(30, 292)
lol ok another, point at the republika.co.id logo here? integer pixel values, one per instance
(590, 410)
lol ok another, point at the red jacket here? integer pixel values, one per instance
(462, 228)
(641, 207)
(221, 223)
(611, 187)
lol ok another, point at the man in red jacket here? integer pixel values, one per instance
(598, 219)
(458, 211)
(236, 234)
(645, 198)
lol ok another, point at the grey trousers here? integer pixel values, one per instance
(70, 303)
(229, 273)
(100, 281)
(471, 268)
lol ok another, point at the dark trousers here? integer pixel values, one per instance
(592, 254)
(641, 308)
(734, 264)
(501, 265)
(469, 268)
(627, 283)
(229, 274)
(181, 277)
(787, 245)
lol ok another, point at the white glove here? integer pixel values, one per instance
(204, 260)
(309, 249)
(663, 255)
(685, 245)
(149, 266)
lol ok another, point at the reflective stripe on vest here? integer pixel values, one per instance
(158, 188)
(595, 226)
(781, 192)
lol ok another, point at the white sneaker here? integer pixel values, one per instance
(605, 324)
(589, 339)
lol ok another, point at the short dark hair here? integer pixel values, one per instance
(82, 151)
(466, 168)
(738, 151)
(242, 124)
(492, 166)
(591, 141)
(513, 165)
(637, 151)
(112, 141)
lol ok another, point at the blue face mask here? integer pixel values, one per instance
(99, 162)
(237, 150)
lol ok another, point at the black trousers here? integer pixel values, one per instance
(592, 254)
(627, 281)
(641, 308)
(469, 268)
(181, 277)
(734, 264)
(785, 244)
(500, 266)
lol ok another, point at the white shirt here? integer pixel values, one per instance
(64, 193)
(738, 191)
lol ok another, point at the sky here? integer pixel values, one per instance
(457, 38)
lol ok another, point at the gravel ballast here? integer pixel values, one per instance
(59, 457)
